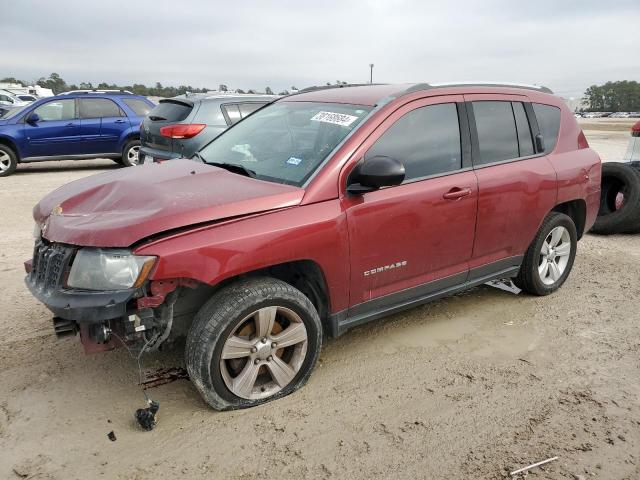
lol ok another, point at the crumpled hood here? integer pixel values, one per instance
(119, 208)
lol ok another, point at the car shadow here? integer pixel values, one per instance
(51, 167)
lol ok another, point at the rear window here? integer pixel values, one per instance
(497, 134)
(139, 107)
(170, 111)
(549, 123)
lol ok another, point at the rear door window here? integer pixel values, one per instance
(249, 108)
(170, 111)
(426, 140)
(525, 139)
(99, 108)
(497, 134)
(549, 123)
(232, 113)
(139, 107)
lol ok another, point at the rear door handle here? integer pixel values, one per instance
(456, 193)
(119, 121)
(71, 124)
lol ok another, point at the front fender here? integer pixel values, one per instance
(215, 253)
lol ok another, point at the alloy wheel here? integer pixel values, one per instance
(554, 255)
(264, 352)
(133, 154)
(5, 161)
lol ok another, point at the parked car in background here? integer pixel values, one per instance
(319, 212)
(75, 125)
(178, 127)
(25, 97)
(10, 100)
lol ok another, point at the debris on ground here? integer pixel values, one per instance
(533, 465)
(111, 436)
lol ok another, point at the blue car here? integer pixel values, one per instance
(75, 125)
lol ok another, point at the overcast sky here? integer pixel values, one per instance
(564, 44)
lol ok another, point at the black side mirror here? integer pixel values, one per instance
(33, 118)
(539, 143)
(374, 173)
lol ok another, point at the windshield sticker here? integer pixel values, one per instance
(335, 118)
(294, 161)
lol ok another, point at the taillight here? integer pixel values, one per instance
(635, 130)
(582, 141)
(182, 130)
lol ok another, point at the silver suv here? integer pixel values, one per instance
(178, 127)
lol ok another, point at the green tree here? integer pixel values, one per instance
(268, 91)
(620, 96)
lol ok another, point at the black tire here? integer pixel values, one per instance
(218, 318)
(528, 278)
(127, 160)
(10, 163)
(618, 178)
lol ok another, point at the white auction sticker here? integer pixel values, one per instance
(335, 118)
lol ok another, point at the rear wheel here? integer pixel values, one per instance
(254, 341)
(619, 200)
(130, 153)
(8, 161)
(549, 259)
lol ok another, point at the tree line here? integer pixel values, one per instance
(56, 83)
(621, 96)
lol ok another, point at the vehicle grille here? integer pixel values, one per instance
(50, 262)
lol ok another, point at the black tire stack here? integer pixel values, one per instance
(624, 179)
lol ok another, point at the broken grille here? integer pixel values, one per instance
(50, 261)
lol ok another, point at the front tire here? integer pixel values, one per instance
(8, 161)
(131, 153)
(549, 259)
(254, 341)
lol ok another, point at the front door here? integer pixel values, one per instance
(56, 133)
(416, 238)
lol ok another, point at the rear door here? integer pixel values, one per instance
(167, 112)
(102, 124)
(414, 239)
(57, 133)
(516, 184)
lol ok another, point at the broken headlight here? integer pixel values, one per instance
(98, 269)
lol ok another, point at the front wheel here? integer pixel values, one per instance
(131, 153)
(549, 258)
(8, 161)
(252, 342)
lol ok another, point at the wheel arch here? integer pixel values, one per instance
(577, 211)
(12, 145)
(305, 275)
(129, 134)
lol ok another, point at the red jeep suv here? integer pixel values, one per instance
(319, 212)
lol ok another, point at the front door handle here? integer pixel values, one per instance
(456, 193)
(119, 121)
(71, 124)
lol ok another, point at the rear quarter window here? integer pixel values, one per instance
(170, 111)
(549, 124)
(139, 107)
(210, 113)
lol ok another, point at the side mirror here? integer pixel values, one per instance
(33, 118)
(539, 143)
(374, 173)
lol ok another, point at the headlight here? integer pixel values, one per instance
(98, 269)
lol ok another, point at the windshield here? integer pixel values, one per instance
(12, 112)
(287, 141)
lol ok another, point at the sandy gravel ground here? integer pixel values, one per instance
(469, 387)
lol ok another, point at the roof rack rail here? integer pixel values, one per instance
(97, 90)
(426, 86)
(342, 85)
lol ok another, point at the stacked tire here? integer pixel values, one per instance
(619, 200)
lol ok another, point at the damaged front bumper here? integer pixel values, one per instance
(105, 319)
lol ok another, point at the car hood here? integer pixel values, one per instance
(117, 209)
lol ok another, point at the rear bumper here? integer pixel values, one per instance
(146, 151)
(83, 306)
